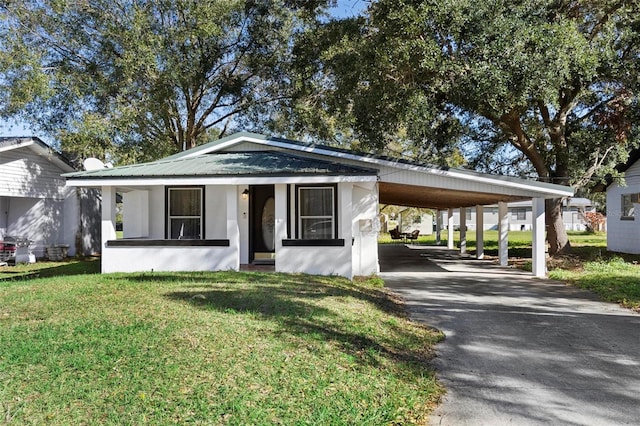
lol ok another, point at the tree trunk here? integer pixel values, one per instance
(556, 232)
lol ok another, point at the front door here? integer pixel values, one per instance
(262, 224)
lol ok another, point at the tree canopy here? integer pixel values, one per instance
(137, 79)
(550, 82)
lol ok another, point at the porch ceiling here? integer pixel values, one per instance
(437, 198)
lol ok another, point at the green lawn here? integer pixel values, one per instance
(207, 348)
(614, 280)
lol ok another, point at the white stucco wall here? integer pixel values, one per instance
(358, 256)
(216, 211)
(365, 230)
(135, 214)
(623, 235)
(140, 259)
(357, 212)
(243, 224)
(315, 260)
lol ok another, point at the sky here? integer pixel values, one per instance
(348, 8)
(343, 9)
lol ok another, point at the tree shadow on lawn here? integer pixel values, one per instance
(90, 265)
(266, 285)
(292, 307)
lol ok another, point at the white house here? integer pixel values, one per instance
(520, 214)
(623, 209)
(302, 207)
(35, 204)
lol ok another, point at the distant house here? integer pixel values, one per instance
(36, 205)
(623, 208)
(520, 215)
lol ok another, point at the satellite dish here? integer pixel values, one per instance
(93, 164)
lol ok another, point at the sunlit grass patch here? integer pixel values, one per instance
(614, 280)
(215, 348)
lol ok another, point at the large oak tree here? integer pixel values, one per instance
(553, 82)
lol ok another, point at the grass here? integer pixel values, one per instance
(207, 348)
(614, 280)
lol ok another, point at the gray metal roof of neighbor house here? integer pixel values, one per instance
(254, 164)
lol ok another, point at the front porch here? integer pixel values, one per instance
(234, 227)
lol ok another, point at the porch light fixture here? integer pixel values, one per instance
(245, 194)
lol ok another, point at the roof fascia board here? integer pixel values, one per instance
(45, 150)
(40, 148)
(21, 144)
(163, 181)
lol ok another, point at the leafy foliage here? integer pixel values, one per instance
(550, 83)
(138, 79)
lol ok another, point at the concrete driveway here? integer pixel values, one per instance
(519, 350)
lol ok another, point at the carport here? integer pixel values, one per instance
(410, 184)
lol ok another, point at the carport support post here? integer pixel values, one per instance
(438, 227)
(463, 230)
(479, 232)
(538, 261)
(503, 234)
(450, 229)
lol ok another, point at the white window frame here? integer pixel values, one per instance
(627, 206)
(199, 217)
(300, 217)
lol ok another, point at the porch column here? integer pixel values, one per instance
(345, 221)
(280, 227)
(463, 230)
(438, 227)
(538, 261)
(450, 229)
(503, 234)
(479, 232)
(108, 225)
(233, 229)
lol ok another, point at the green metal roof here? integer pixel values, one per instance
(252, 163)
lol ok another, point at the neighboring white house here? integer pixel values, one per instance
(248, 199)
(623, 209)
(35, 204)
(520, 214)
